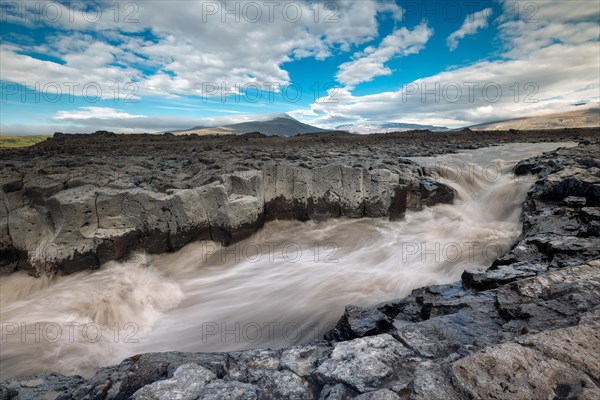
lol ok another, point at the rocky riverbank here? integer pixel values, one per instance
(75, 202)
(527, 327)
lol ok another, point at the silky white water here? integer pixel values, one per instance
(286, 284)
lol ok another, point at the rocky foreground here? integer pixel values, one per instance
(75, 202)
(528, 327)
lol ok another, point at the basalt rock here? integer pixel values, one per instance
(359, 322)
(76, 201)
(54, 224)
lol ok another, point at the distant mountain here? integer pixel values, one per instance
(282, 125)
(388, 127)
(574, 119)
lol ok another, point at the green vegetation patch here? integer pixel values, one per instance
(21, 141)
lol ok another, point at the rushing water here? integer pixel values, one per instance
(287, 283)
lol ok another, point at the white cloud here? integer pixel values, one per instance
(84, 113)
(542, 88)
(193, 43)
(558, 70)
(473, 22)
(92, 70)
(370, 63)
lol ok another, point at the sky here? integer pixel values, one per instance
(156, 65)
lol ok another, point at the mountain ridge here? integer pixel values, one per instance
(279, 125)
(587, 118)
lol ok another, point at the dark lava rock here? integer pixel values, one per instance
(433, 192)
(574, 201)
(525, 167)
(500, 275)
(359, 322)
(8, 394)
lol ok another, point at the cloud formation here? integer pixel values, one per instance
(167, 51)
(370, 63)
(473, 22)
(558, 70)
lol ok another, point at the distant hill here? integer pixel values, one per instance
(388, 127)
(574, 119)
(21, 141)
(280, 126)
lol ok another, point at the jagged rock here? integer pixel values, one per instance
(186, 384)
(432, 382)
(526, 167)
(303, 360)
(48, 227)
(433, 193)
(552, 300)
(432, 301)
(337, 392)
(574, 201)
(500, 275)
(383, 394)
(250, 365)
(541, 368)
(363, 364)
(593, 229)
(123, 380)
(284, 385)
(589, 214)
(578, 346)
(359, 322)
(453, 333)
(45, 386)
(230, 390)
(8, 394)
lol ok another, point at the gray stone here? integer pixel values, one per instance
(589, 214)
(578, 346)
(186, 384)
(432, 382)
(285, 385)
(500, 275)
(38, 387)
(304, 359)
(445, 335)
(337, 392)
(7, 393)
(551, 300)
(363, 364)
(574, 201)
(383, 394)
(511, 371)
(229, 390)
(359, 322)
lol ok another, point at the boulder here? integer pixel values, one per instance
(359, 322)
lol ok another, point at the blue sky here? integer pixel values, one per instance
(160, 65)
